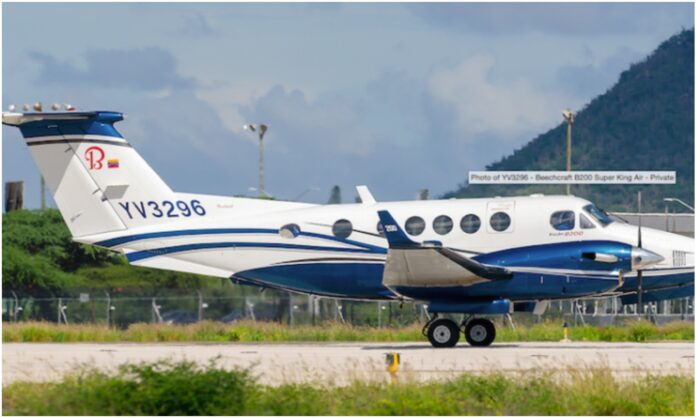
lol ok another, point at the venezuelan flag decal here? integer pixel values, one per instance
(112, 163)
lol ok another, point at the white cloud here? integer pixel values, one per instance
(481, 104)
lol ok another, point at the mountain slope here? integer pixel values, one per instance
(644, 122)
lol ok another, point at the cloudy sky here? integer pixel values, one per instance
(396, 96)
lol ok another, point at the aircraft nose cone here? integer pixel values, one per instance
(641, 258)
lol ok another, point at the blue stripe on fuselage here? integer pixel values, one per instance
(141, 255)
(217, 231)
(185, 232)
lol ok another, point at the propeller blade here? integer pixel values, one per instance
(640, 293)
(640, 223)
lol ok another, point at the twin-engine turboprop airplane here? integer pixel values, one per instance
(469, 256)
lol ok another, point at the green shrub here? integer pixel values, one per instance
(248, 331)
(183, 388)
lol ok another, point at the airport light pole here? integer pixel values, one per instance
(674, 199)
(261, 129)
(570, 119)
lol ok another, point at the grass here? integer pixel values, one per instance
(248, 331)
(183, 388)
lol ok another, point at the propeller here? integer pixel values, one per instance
(640, 245)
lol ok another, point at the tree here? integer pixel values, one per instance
(335, 195)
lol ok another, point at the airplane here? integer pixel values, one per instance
(476, 257)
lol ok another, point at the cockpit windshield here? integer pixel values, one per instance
(598, 214)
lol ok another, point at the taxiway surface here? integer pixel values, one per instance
(339, 363)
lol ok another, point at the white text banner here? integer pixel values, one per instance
(572, 177)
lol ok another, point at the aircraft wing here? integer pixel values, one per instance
(430, 264)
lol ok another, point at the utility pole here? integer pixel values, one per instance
(261, 129)
(570, 119)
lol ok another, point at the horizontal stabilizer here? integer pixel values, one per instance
(17, 119)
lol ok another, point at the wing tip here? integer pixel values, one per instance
(396, 237)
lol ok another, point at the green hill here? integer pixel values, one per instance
(40, 259)
(644, 122)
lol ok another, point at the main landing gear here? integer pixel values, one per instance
(444, 332)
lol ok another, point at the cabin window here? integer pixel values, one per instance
(470, 223)
(442, 224)
(600, 215)
(500, 221)
(342, 228)
(289, 231)
(563, 220)
(380, 229)
(415, 225)
(585, 223)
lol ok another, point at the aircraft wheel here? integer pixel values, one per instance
(479, 332)
(443, 332)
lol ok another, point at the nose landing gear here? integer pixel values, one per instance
(444, 332)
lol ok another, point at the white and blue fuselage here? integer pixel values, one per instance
(460, 255)
(340, 250)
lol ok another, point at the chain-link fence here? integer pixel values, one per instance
(193, 306)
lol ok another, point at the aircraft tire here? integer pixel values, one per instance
(479, 332)
(443, 333)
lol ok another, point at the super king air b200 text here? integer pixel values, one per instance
(471, 256)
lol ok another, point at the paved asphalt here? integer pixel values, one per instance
(338, 363)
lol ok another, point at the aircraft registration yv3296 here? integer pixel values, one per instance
(484, 256)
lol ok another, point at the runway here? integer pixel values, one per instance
(339, 363)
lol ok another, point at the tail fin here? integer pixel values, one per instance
(100, 183)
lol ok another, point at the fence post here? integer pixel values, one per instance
(156, 317)
(108, 309)
(10, 310)
(291, 316)
(250, 307)
(379, 314)
(16, 309)
(201, 305)
(61, 312)
(339, 309)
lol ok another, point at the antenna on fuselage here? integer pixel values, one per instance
(365, 195)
